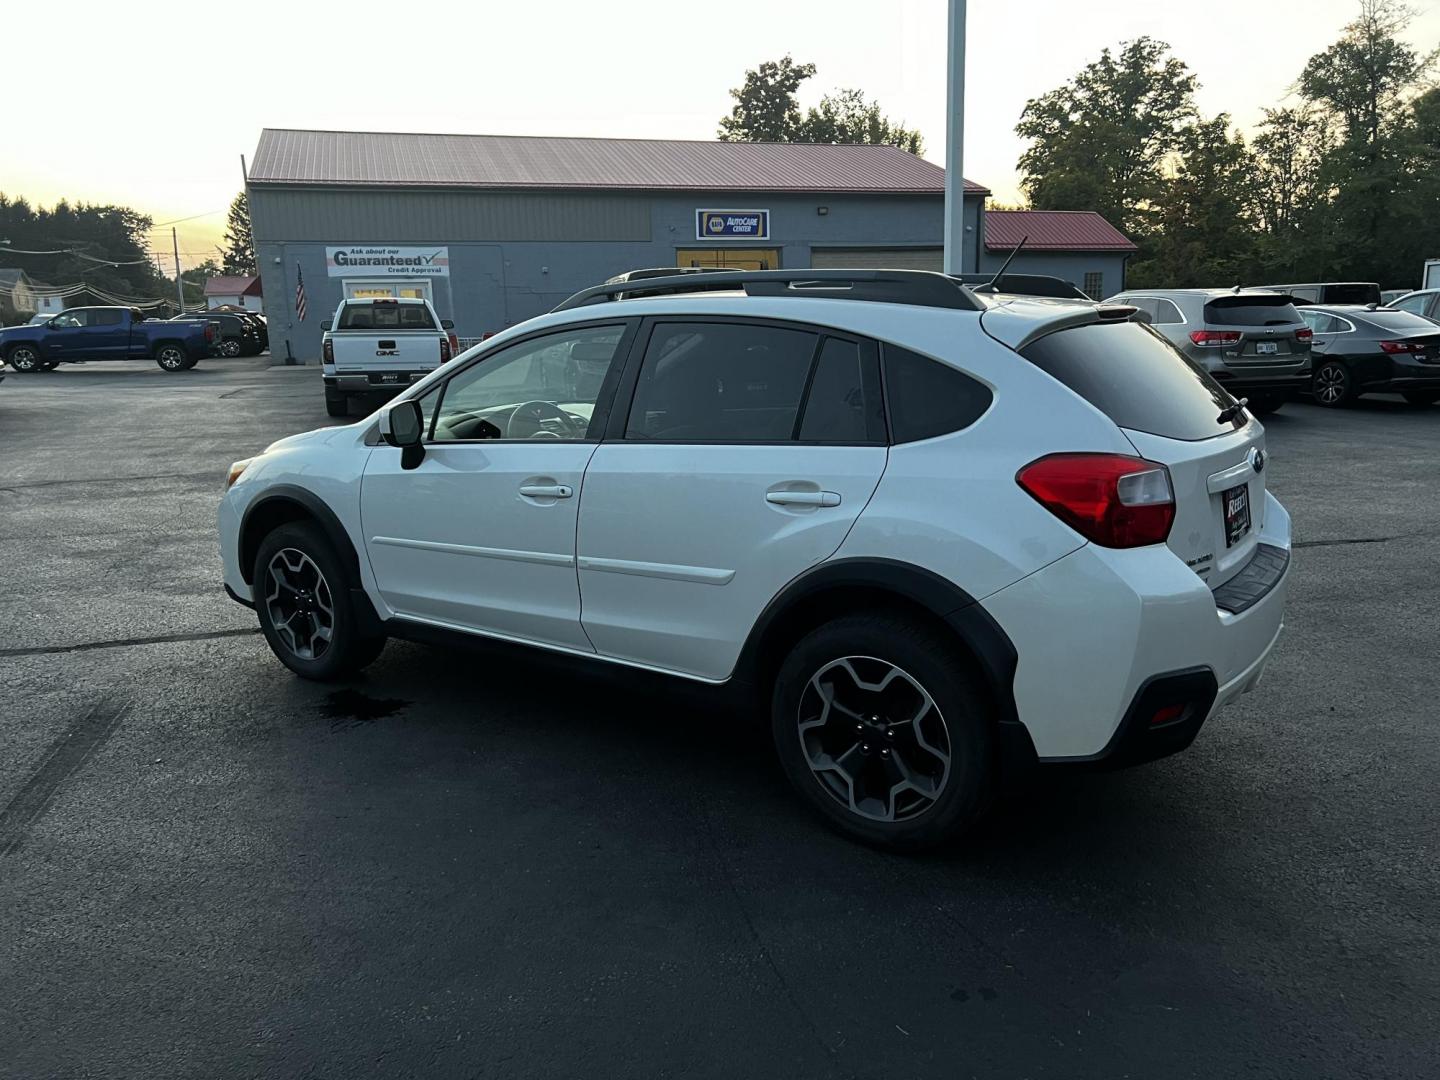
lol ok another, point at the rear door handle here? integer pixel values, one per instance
(547, 491)
(803, 498)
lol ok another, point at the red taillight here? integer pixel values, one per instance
(1111, 499)
(328, 350)
(444, 350)
(488, 334)
(209, 332)
(1393, 347)
(454, 344)
(1215, 338)
(1304, 335)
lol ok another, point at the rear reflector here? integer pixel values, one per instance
(1166, 715)
(1215, 338)
(1110, 499)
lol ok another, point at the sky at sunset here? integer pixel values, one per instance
(167, 139)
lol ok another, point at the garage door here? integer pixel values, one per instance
(909, 258)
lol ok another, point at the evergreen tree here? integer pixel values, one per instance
(239, 251)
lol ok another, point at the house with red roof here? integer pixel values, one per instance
(234, 290)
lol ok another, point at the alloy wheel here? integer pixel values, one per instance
(230, 348)
(171, 358)
(299, 603)
(1331, 384)
(23, 359)
(874, 738)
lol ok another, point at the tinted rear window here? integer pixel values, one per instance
(1251, 311)
(1352, 292)
(1401, 321)
(386, 316)
(1135, 377)
(928, 398)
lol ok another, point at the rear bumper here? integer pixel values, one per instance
(1097, 631)
(373, 382)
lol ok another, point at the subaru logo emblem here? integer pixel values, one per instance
(1257, 459)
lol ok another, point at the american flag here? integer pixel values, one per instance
(299, 294)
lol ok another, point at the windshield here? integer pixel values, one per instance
(1135, 377)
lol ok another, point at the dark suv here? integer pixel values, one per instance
(1253, 343)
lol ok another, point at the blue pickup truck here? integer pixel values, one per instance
(105, 333)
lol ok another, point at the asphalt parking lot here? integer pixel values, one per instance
(487, 867)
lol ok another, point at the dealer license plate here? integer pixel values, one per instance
(390, 377)
(1236, 501)
(1266, 348)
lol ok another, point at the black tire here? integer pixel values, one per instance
(25, 358)
(190, 362)
(863, 649)
(171, 357)
(336, 404)
(1332, 386)
(229, 348)
(310, 588)
(1421, 397)
(1264, 404)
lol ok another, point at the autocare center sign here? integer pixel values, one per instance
(732, 224)
(362, 262)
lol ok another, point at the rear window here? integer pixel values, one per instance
(1400, 320)
(386, 316)
(1135, 377)
(1251, 311)
(1353, 292)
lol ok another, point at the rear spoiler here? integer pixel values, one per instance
(1018, 331)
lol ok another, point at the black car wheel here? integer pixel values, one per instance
(1422, 397)
(884, 732)
(302, 595)
(25, 358)
(1331, 385)
(230, 348)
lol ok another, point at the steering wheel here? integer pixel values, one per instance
(535, 414)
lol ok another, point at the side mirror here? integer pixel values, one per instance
(327, 324)
(402, 424)
(447, 324)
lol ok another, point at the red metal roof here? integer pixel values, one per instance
(1053, 230)
(525, 161)
(232, 285)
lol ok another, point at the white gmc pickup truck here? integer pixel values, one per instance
(381, 346)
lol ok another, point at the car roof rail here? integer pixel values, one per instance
(921, 288)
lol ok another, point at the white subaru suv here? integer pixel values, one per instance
(941, 533)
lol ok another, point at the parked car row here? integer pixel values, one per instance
(237, 332)
(1330, 340)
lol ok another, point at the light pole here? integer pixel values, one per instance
(955, 140)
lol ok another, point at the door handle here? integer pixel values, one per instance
(547, 491)
(803, 498)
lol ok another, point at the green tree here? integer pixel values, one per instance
(767, 110)
(1366, 82)
(846, 117)
(102, 247)
(765, 106)
(1206, 231)
(239, 250)
(1292, 191)
(1102, 140)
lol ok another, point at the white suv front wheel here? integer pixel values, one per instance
(884, 731)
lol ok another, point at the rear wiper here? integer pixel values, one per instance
(1230, 412)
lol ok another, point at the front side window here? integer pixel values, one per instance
(721, 382)
(71, 319)
(544, 388)
(1417, 303)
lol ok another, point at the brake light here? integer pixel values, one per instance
(1211, 339)
(328, 351)
(1304, 334)
(1393, 347)
(1111, 499)
(209, 332)
(444, 350)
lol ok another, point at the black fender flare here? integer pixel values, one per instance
(316, 509)
(983, 637)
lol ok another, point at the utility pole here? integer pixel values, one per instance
(955, 141)
(179, 281)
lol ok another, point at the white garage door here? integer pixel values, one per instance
(910, 258)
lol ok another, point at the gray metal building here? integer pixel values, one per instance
(497, 229)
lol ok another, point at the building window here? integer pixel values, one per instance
(1095, 285)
